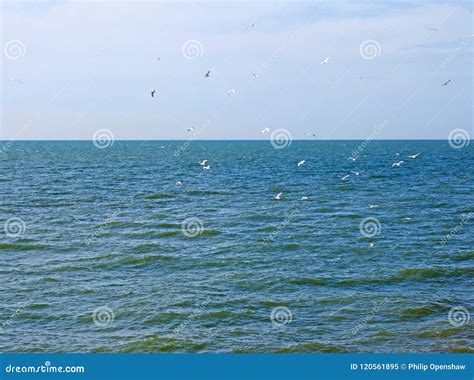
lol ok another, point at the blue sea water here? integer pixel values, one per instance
(95, 259)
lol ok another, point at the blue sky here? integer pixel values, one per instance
(84, 66)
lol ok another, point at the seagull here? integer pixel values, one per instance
(345, 177)
(446, 83)
(207, 74)
(324, 61)
(371, 245)
(266, 130)
(203, 162)
(230, 92)
(312, 134)
(357, 173)
(432, 29)
(278, 196)
(16, 80)
(414, 156)
(153, 93)
(190, 129)
(178, 183)
(255, 75)
(398, 164)
(373, 206)
(352, 158)
(304, 198)
(250, 26)
(206, 167)
(301, 163)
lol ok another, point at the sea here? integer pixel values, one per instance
(103, 250)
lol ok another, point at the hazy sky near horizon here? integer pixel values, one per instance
(85, 66)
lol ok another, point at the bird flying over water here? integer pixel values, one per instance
(414, 156)
(278, 196)
(16, 80)
(373, 206)
(230, 92)
(324, 61)
(398, 164)
(207, 74)
(263, 131)
(203, 162)
(178, 183)
(190, 129)
(432, 29)
(207, 167)
(352, 159)
(301, 163)
(446, 83)
(304, 198)
(255, 75)
(153, 93)
(250, 26)
(356, 173)
(345, 177)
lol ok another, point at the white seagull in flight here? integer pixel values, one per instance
(398, 164)
(230, 92)
(263, 131)
(357, 173)
(206, 167)
(178, 183)
(414, 156)
(278, 196)
(203, 162)
(345, 177)
(304, 198)
(301, 163)
(190, 129)
(324, 61)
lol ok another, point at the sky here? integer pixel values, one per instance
(70, 68)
